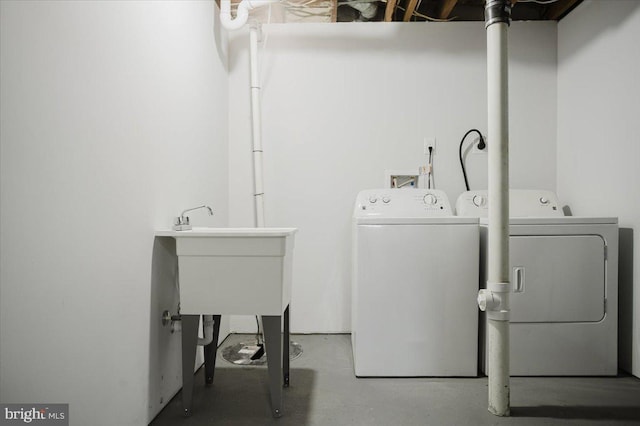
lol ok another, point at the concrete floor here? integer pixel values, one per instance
(325, 392)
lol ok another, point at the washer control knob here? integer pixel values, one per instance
(430, 199)
(479, 200)
(544, 201)
(373, 199)
(386, 199)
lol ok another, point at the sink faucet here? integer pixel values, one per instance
(181, 223)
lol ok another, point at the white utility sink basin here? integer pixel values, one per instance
(236, 271)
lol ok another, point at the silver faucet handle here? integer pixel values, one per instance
(181, 220)
(181, 223)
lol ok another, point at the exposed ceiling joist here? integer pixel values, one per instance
(388, 12)
(447, 7)
(412, 10)
(411, 7)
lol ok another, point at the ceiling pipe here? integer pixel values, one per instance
(495, 299)
(242, 13)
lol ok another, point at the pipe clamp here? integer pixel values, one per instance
(497, 11)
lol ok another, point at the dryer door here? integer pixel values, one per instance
(557, 278)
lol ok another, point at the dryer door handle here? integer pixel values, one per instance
(518, 278)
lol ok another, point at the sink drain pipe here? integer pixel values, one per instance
(256, 126)
(495, 299)
(242, 15)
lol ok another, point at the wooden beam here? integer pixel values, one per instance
(388, 12)
(411, 7)
(556, 10)
(334, 10)
(447, 7)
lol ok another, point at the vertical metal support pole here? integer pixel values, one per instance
(210, 352)
(189, 344)
(498, 18)
(273, 342)
(285, 348)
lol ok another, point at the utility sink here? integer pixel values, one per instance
(237, 271)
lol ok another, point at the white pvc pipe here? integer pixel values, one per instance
(256, 131)
(207, 321)
(498, 234)
(256, 127)
(242, 12)
(227, 22)
(242, 15)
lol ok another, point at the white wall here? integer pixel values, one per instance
(598, 139)
(113, 119)
(344, 102)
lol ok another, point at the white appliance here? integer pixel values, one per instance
(564, 273)
(414, 283)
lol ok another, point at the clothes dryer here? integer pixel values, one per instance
(564, 273)
(414, 284)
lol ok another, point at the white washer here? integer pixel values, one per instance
(414, 283)
(564, 272)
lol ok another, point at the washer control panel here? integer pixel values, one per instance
(522, 203)
(400, 203)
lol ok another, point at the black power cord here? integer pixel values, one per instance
(481, 145)
(258, 354)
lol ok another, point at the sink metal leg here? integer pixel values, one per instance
(273, 342)
(189, 343)
(285, 349)
(210, 351)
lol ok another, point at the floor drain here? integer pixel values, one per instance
(243, 353)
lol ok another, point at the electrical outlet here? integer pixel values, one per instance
(429, 142)
(476, 141)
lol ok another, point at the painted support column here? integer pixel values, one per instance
(495, 299)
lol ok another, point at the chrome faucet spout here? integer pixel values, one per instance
(196, 208)
(181, 223)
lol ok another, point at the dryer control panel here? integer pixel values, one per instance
(522, 203)
(402, 203)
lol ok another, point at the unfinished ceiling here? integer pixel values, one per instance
(292, 11)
